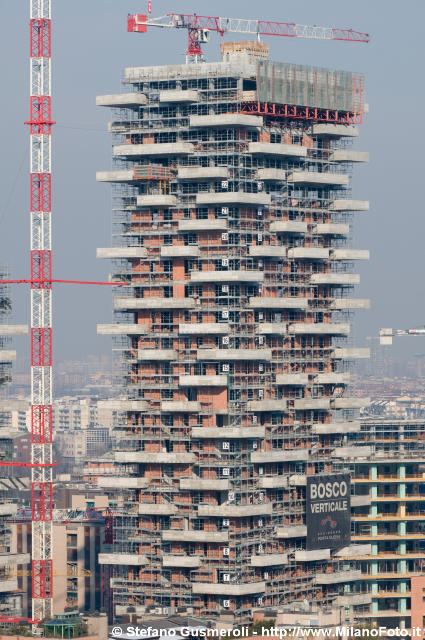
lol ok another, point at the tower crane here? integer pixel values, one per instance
(386, 335)
(199, 27)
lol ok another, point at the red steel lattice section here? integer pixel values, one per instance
(41, 184)
(41, 347)
(40, 115)
(42, 583)
(41, 502)
(41, 269)
(41, 424)
(40, 29)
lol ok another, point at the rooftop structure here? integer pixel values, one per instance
(232, 223)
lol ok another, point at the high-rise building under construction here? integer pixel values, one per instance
(232, 220)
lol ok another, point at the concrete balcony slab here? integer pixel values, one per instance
(226, 120)
(181, 561)
(154, 457)
(123, 482)
(292, 531)
(156, 200)
(349, 303)
(347, 155)
(264, 302)
(332, 378)
(13, 329)
(178, 95)
(234, 354)
(228, 433)
(156, 354)
(7, 355)
(282, 455)
(335, 130)
(181, 535)
(312, 556)
(182, 406)
(209, 224)
(121, 329)
(227, 588)
(350, 403)
(269, 560)
(319, 328)
(233, 197)
(202, 173)
(277, 149)
(267, 251)
(204, 328)
(204, 484)
(288, 226)
(121, 100)
(123, 175)
(349, 254)
(203, 381)
(124, 253)
(271, 174)
(267, 405)
(332, 229)
(272, 328)
(338, 576)
(335, 278)
(123, 405)
(227, 276)
(326, 179)
(125, 559)
(235, 510)
(351, 353)
(159, 149)
(292, 379)
(153, 303)
(312, 404)
(180, 251)
(337, 427)
(308, 253)
(349, 205)
(162, 509)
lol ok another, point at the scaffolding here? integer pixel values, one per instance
(237, 305)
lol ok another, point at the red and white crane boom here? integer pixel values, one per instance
(386, 335)
(198, 28)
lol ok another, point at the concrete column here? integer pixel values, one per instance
(373, 472)
(402, 566)
(401, 528)
(401, 471)
(402, 490)
(374, 587)
(374, 567)
(402, 548)
(402, 605)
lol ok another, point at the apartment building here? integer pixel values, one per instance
(231, 231)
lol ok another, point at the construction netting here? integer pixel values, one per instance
(300, 85)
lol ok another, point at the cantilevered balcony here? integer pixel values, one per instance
(350, 353)
(319, 328)
(204, 328)
(331, 229)
(116, 404)
(288, 226)
(235, 510)
(123, 253)
(228, 433)
(180, 406)
(315, 178)
(266, 251)
(233, 197)
(347, 155)
(281, 455)
(203, 381)
(159, 149)
(227, 276)
(226, 588)
(291, 531)
(267, 405)
(349, 254)
(336, 427)
(349, 205)
(202, 173)
(147, 355)
(271, 174)
(335, 278)
(13, 329)
(234, 354)
(121, 100)
(308, 253)
(292, 379)
(312, 404)
(178, 95)
(226, 120)
(335, 130)
(123, 559)
(204, 484)
(186, 535)
(209, 224)
(153, 457)
(7, 355)
(265, 302)
(277, 149)
(156, 200)
(131, 303)
(349, 303)
(180, 251)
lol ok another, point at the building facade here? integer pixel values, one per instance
(391, 518)
(10, 595)
(232, 222)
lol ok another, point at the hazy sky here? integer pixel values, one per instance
(91, 47)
